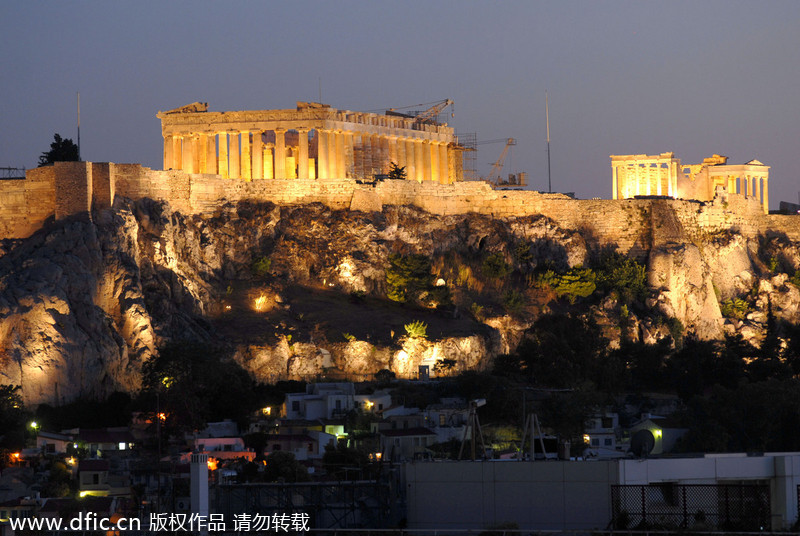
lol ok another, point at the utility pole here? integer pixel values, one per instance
(547, 118)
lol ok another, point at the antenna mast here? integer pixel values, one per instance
(79, 125)
(547, 116)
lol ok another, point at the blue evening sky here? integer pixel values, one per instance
(694, 77)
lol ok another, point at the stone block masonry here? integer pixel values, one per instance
(74, 188)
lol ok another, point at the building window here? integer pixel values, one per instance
(608, 422)
(95, 478)
(338, 404)
(311, 447)
(595, 442)
(295, 405)
(608, 442)
(442, 419)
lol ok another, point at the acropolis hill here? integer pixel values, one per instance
(213, 158)
(103, 262)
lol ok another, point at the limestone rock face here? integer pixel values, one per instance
(84, 304)
(686, 291)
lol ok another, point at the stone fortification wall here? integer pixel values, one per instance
(69, 188)
(26, 203)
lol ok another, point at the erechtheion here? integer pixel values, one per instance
(664, 175)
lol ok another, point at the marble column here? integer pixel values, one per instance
(258, 155)
(435, 161)
(211, 154)
(280, 153)
(302, 162)
(411, 159)
(168, 148)
(202, 153)
(383, 143)
(349, 162)
(426, 160)
(177, 152)
(269, 161)
(322, 153)
(766, 195)
(340, 156)
(756, 188)
(222, 159)
(246, 163)
(367, 156)
(444, 168)
(613, 182)
(393, 151)
(401, 154)
(234, 158)
(188, 155)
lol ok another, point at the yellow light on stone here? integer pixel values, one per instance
(260, 302)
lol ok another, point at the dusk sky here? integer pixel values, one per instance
(693, 77)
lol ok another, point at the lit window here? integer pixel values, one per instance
(121, 445)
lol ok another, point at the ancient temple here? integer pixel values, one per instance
(664, 175)
(313, 141)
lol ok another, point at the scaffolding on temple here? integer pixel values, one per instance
(469, 143)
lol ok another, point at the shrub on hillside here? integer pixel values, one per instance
(734, 308)
(578, 282)
(407, 276)
(261, 266)
(417, 329)
(495, 266)
(616, 272)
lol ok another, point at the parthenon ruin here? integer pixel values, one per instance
(664, 175)
(314, 141)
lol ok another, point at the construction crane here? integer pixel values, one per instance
(429, 115)
(494, 177)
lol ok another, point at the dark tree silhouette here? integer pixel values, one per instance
(61, 150)
(396, 172)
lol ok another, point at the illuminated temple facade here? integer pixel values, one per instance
(664, 175)
(313, 141)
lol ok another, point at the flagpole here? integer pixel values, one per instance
(547, 116)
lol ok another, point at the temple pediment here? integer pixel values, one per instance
(189, 108)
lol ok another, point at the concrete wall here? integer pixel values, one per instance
(576, 495)
(69, 188)
(534, 495)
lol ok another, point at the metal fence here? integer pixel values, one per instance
(329, 505)
(699, 507)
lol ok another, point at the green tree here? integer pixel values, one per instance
(495, 266)
(13, 417)
(282, 466)
(622, 274)
(196, 384)
(407, 276)
(397, 172)
(559, 351)
(61, 150)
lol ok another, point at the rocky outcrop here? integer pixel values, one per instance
(84, 304)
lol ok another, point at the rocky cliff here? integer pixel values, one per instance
(83, 304)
